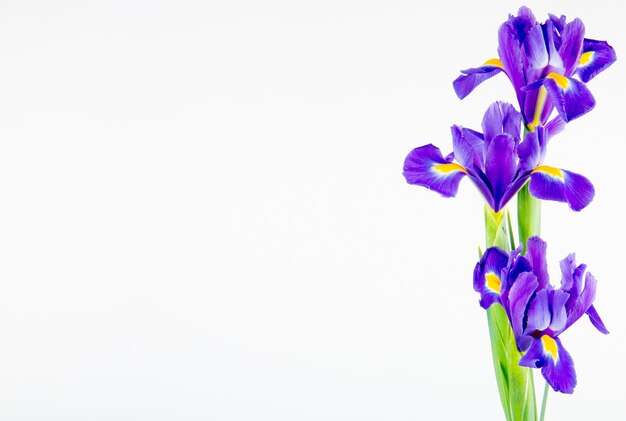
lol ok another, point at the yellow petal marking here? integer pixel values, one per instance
(446, 168)
(549, 345)
(493, 62)
(493, 282)
(541, 101)
(585, 58)
(560, 80)
(554, 172)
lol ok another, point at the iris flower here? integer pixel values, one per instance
(542, 60)
(497, 163)
(538, 312)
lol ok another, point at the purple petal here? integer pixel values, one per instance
(572, 45)
(549, 183)
(500, 165)
(536, 254)
(529, 152)
(570, 96)
(538, 315)
(426, 167)
(469, 149)
(567, 270)
(579, 191)
(511, 55)
(584, 301)
(555, 63)
(501, 118)
(488, 276)
(535, 53)
(555, 362)
(558, 299)
(559, 23)
(560, 374)
(554, 127)
(518, 297)
(596, 56)
(596, 320)
(465, 84)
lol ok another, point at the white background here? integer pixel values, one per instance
(203, 214)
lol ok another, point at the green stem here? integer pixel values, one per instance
(515, 383)
(544, 402)
(528, 215)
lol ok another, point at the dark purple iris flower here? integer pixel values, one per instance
(541, 60)
(538, 312)
(497, 163)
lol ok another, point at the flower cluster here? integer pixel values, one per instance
(497, 163)
(549, 65)
(541, 60)
(538, 312)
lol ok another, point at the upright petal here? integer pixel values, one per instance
(536, 250)
(555, 362)
(570, 96)
(511, 56)
(501, 118)
(535, 54)
(529, 152)
(500, 165)
(468, 147)
(558, 311)
(584, 301)
(471, 78)
(572, 45)
(549, 183)
(596, 56)
(538, 315)
(426, 167)
(518, 299)
(558, 22)
(567, 271)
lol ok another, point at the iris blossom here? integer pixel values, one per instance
(538, 312)
(541, 60)
(497, 163)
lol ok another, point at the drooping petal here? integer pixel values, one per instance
(596, 321)
(557, 365)
(500, 166)
(572, 45)
(570, 96)
(536, 250)
(596, 56)
(501, 118)
(519, 295)
(471, 78)
(549, 183)
(488, 276)
(426, 167)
